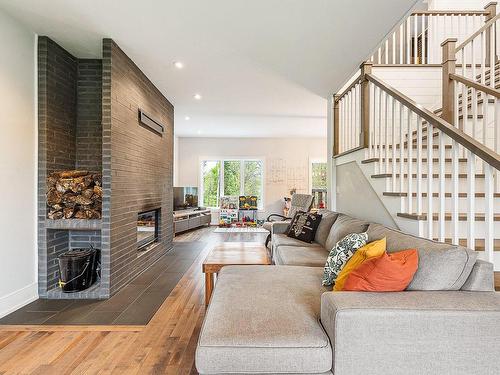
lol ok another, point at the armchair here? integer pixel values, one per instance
(299, 202)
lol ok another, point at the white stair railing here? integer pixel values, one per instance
(417, 38)
(394, 129)
(440, 138)
(474, 86)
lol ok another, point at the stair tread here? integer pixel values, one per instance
(447, 215)
(424, 175)
(435, 195)
(424, 147)
(424, 160)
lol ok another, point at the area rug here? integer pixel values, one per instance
(241, 230)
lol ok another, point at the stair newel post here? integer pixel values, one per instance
(336, 125)
(491, 9)
(366, 68)
(448, 92)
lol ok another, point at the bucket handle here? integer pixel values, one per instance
(63, 283)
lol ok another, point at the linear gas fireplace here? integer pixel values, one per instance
(147, 229)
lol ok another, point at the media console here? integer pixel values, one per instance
(190, 219)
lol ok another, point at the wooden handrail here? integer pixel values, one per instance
(450, 13)
(483, 152)
(354, 83)
(478, 32)
(478, 86)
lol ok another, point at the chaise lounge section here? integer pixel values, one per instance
(280, 320)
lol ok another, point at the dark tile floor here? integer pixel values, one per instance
(135, 304)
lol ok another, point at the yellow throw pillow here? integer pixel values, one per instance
(374, 249)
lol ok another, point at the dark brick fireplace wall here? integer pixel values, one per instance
(137, 163)
(89, 107)
(88, 119)
(57, 72)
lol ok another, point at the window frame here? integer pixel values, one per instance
(242, 161)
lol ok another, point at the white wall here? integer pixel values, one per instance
(421, 83)
(18, 278)
(295, 152)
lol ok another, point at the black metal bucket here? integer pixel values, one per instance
(78, 269)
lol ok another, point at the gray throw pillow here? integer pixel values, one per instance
(342, 227)
(324, 227)
(340, 255)
(443, 269)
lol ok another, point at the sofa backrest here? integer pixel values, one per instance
(442, 266)
(343, 226)
(325, 225)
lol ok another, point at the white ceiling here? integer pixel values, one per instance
(263, 67)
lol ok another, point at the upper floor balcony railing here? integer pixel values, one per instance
(417, 39)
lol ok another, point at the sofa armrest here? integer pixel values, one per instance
(279, 227)
(453, 332)
(481, 278)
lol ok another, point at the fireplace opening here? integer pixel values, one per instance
(147, 229)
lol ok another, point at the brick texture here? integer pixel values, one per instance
(88, 107)
(88, 119)
(57, 72)
(139, 173)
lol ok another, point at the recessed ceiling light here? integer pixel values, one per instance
(187, 118)
(178, 64)
(197, 96)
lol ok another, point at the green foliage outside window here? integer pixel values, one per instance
(319, 175)
(211, 171)
(232, 171)
(253, 178)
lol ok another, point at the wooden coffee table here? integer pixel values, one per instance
(232, 253)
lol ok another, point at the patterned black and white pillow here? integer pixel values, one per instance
(340, 255)
(303, 226)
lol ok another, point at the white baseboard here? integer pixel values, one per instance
(17, 299)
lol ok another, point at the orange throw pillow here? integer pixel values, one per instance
(388, 273)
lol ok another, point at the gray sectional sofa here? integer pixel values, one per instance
(280, 320)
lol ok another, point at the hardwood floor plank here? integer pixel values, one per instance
(166, 345)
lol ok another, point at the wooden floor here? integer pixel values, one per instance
(165, 345)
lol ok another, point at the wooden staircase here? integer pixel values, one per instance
(436, 172)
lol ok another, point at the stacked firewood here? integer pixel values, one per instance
(74, 194)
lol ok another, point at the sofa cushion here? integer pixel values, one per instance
(324, 227)
(371, 250)
(284, 240)
(413, 333)
(441, 266)
(264, 319)
(343, 226)
(340, 255)
(481, 278)
(443, 269)
(397, 241)
(304, 225)
(388, 273)
(314, 256)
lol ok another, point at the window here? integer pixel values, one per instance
(318, 181)
(231, 177)
(318, 175)
(210, 174)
